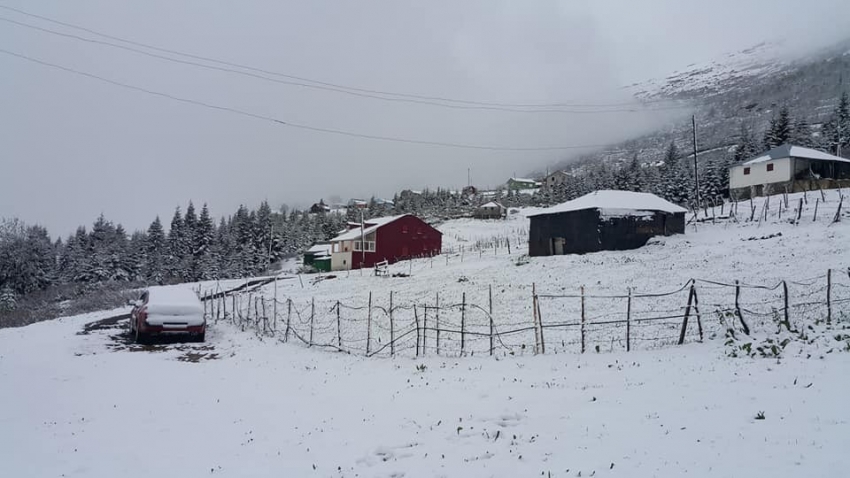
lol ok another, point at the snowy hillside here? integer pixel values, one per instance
(247, 403)
(731, 71)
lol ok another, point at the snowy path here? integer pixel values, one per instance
(75, 405)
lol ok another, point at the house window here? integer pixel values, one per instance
(746, 171)
(368, 245)
(770, 166)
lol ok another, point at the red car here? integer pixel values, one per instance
(167, 310)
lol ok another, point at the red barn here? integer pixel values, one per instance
(381, 239)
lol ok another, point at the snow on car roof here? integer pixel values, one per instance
(615, 200)
(173, 300)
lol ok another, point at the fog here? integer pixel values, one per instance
(74, 147)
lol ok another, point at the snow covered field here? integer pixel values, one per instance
(79, 399)
(91, 405)
(760, 254)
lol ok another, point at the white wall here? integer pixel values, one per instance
(340, 261)
(759, 173)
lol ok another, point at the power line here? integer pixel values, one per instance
(362, 92)
(291, 124)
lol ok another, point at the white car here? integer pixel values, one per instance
(167, 310)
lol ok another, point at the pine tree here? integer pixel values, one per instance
(780, 130)
(8, 299)
(836, 132)
(206, 265)
(803, 134)
(176, 247)
(746, 147)
(156, 252)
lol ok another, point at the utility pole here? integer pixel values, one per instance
(362, 240)
(696, 171)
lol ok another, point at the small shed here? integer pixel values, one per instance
(603, 220)
(319, 256)
(490, 210)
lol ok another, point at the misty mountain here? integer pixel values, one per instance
(744, 88)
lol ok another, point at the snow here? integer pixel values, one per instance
(88, 404)
(613, 203)
(371, 226)
(798, 152)
(80, 406)
(173, 301)
(320, 249)
(491, 204)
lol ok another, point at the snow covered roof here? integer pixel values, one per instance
(523, 180)
(791, 151)
(492, 204)
(320, 249)
(370, 226)
(619, 202)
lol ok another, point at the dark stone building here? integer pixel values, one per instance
(603, 220)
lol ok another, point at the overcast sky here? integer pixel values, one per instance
(72, 147)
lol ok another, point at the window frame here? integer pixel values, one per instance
(746, 170)
(769, 167)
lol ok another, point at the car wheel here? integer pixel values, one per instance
(141, 338)
(201, 337)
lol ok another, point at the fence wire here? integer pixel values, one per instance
(582, 322)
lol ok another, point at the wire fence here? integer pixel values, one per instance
(581, 322)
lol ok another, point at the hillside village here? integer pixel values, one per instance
(675, 304)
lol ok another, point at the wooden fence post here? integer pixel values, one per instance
(490, 294)
(799, 211)
(738, 307)
(829, 296)
(534, 315)
(438, 323)
(629, 322)
(274, 305)
(425, 330)
(687, 314)
(288, 317)
(418, 333)
(540, 324)
(582, 321)
(787, 321)
(815, 217)
(369, 326)
(463, 324)
(392, 328)
(696, 306)
(312, 317)
(338, 327)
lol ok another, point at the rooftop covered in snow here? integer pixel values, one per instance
(620, 201)
(791, 151)
(369, 227)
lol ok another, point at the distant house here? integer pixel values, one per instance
(381, 239)
(319, 256)
(490, 210)
(603, 220)
(469, 191)
(320, 207)
(788, 168)
(358, 204)
(522, 183)
(552, 181)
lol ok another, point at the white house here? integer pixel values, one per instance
(490, 210)
(788, 168)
